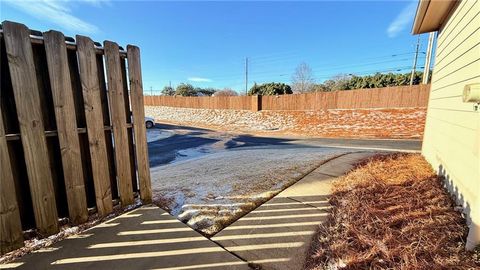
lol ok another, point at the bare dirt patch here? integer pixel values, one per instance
(392, 212)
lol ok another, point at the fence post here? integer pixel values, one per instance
(257, 103)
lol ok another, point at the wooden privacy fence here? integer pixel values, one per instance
(388, 97)
(68, 143)
(222, 102)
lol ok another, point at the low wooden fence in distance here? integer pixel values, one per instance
(68, 145)
(388, 97)
(223, 102)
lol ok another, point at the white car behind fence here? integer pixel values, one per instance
(149, 122)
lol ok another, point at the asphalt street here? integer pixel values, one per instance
(189, 142)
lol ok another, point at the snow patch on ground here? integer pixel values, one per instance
(192, 153)
(211, 192)
(155, 134)
(406, 123)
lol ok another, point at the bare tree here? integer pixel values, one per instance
(225, 92)
(302, 79)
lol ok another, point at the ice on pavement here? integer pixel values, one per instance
(155, 134)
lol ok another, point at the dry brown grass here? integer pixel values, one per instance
(392, 212)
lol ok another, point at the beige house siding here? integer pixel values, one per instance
(452, 131)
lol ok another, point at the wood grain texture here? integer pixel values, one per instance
(118, 116)
(27, 98)
(11, 236)
(66, 120)
(140, 133)
(94, 118)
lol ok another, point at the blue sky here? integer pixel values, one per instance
(205, 43)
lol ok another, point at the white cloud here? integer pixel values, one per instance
(57, 12)
(199, 79)
(402, 20)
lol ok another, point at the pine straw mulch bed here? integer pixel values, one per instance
(392, 212)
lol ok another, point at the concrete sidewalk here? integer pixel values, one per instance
(277, 235)
(145, 238)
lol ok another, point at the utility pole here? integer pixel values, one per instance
(428, 58)
(151, 91)
(170, 84)
(415, 60)
(246, 75)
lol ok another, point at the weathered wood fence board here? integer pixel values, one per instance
(66, 137)
(10, 226)
(388, 97)
(61, 86)
(117, 107)
(32, 131)
(93, 113)
(138, 111)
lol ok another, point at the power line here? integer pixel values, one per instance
(286, 72)
(323, 68)
(415, 60)
(360, 73)
(246, 75)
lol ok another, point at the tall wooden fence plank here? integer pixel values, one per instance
(11, 236)
(65, 116)
(138, 111)
(94, 117)
(118, 116)
(27, 98)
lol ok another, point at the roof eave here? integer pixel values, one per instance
(431, 14)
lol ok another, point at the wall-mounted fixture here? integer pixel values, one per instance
(471, 93)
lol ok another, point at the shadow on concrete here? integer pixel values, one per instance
(278, 234)
(146, 238)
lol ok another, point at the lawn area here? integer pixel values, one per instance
(211, 192)
(392, 212)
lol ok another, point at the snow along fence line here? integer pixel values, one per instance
(388, 97)
(400, 123)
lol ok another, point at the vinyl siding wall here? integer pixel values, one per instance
(452, 132)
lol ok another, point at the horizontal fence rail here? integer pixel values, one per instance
(68, 143)
(388, 97)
